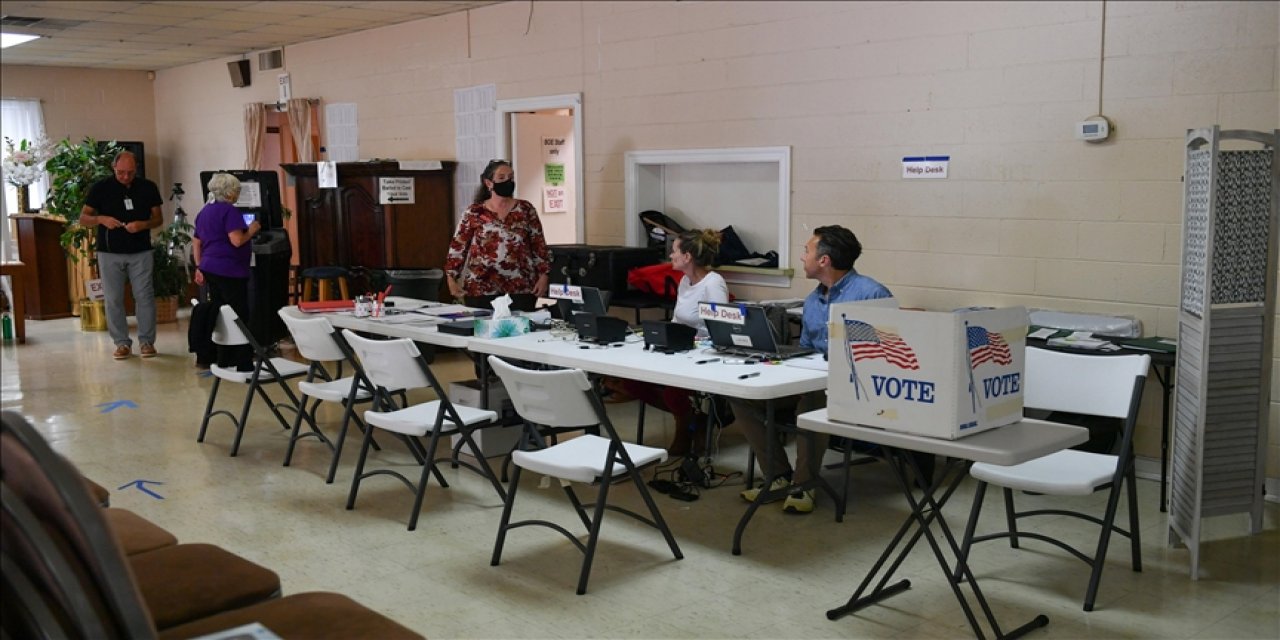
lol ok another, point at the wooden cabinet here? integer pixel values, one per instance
(44, 281)
(347, 226)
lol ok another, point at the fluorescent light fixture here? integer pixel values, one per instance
(13, 39)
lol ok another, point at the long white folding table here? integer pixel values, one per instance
(765, 382)
(1008, 445)
(403, 324)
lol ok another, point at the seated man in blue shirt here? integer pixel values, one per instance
(828, 258)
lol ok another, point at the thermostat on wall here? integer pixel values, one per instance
(1093, 129)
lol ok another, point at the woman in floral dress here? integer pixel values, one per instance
(499, 247)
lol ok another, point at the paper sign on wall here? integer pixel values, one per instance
(93, 289)
(917, 167)
(395, 190)
(553, 200)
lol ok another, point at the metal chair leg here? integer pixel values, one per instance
(208, 409)
(1011, 518)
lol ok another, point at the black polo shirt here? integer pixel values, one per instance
(108, 197)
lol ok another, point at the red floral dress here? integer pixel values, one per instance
(489, 256)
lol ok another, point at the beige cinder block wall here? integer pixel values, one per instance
(1028, 215)
(105, 104)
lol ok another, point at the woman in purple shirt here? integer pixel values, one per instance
(221, 246)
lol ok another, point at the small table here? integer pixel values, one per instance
(1008, 445)
(16, 270)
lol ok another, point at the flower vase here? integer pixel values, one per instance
(24, 197)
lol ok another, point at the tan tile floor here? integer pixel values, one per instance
(438, 579)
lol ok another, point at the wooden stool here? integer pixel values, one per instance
(325, 277)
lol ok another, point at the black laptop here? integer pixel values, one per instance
(745, 332)
(593, 300)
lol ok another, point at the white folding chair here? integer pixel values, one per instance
(563, 399)
(1098, 385)
(393, 365)
(319, 342)
(231, 331)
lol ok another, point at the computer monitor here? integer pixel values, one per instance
(259, 194)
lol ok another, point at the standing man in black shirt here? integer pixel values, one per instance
(125, 208)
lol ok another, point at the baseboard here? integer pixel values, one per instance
(1149, 469)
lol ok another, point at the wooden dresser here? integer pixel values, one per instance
(348, 227)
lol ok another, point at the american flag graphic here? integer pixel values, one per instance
(985, 346)
(867, 342)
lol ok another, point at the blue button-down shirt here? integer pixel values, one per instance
(817, 306)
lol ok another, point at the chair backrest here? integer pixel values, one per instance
(391, 364)
(57, 541)
(561, 398)
(227, 331)
(314, 337)
(1094, 385)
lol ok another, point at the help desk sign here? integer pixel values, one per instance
(943, 375)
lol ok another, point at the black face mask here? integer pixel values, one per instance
(505, 189)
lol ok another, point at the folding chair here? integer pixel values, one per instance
(319, 342)
(398, 365)
(561, 399)
(231, 331)
(1095, 385)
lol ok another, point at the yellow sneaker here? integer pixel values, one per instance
(778, 483)
(799, 502)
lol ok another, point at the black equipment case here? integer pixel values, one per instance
(600, 266)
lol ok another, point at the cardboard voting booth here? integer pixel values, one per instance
(944, 375)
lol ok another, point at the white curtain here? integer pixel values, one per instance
(255, 127)
(300, 127)
(20, 119)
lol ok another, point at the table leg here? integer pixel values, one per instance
(771, 440)
(1165, 375)
(925, 512)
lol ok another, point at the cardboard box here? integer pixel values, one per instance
(944, 375)
(501, 327)
(493, 441)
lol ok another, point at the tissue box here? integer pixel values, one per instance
(943, 375)
(501, 327)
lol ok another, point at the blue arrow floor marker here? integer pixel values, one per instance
(141, 486)
(108, 407)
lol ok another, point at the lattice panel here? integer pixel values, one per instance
(1195, 244)
(1241, 227)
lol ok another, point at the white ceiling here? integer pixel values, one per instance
(163, 34)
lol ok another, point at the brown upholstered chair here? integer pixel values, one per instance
(136, 534)
(64, 573)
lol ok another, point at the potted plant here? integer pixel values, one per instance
(170, 274)
(73, 169)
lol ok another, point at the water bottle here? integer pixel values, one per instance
(6, 327)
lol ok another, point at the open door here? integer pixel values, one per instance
(543, 139)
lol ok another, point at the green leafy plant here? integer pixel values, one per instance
(73, 169)
(169, 275)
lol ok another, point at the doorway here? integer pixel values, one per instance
(543, 138)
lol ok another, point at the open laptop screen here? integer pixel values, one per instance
(571, 299)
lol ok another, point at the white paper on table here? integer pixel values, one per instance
(1042, 333)
(445, 309)
(817, 364)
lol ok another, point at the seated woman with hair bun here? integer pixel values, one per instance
(693, 252)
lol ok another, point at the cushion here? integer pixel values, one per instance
(191, 581)
(315, 616)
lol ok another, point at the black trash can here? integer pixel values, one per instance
(421, 284)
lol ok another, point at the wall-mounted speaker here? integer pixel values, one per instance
(239, 71)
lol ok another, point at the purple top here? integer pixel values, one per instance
(217, 255)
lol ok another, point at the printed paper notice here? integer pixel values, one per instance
(328, 174)
(250, 196)
(553, 200)
(397, 190)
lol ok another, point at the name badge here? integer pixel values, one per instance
(128, 204)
